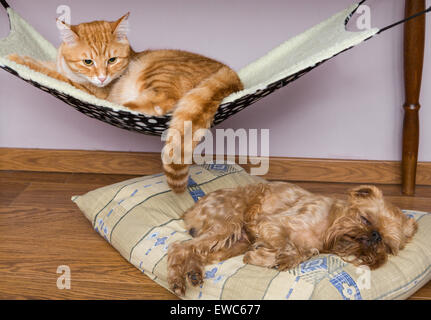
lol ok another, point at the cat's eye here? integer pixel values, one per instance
(88, 62)
(112, 60)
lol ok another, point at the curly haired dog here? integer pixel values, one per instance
(279, 225)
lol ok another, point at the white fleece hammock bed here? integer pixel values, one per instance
(276, 69)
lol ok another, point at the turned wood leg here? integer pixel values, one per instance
(414, 45)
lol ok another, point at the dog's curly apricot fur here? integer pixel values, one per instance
(279, 225)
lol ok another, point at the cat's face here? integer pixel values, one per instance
(97, 52)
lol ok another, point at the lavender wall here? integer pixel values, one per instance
(348, 108)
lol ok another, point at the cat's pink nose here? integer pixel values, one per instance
(102, 79)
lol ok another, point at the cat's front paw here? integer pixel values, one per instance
(25, 60)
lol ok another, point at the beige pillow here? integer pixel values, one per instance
(141, 217)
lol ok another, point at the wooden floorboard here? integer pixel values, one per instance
(41, 229)
(9, 191)
(82, 290)
(58, 195)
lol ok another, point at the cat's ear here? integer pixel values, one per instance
(67, 35)
(121, 27)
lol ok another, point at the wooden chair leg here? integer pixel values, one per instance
(414, 46)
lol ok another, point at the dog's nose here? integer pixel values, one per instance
(375, 236)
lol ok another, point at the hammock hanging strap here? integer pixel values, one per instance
(4, 4)
(393, 24)
(404, 20)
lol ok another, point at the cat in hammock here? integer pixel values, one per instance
(96, 57)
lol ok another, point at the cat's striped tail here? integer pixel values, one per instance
(194, 111)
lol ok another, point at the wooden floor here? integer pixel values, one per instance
(41, 229)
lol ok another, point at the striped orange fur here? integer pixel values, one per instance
(96, 57)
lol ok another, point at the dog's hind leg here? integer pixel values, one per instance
(261, 255)
(291, 256)
(186, 260)
(236, 249)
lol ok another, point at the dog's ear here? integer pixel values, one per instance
(365, 192)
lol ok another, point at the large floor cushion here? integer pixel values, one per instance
(141, 217)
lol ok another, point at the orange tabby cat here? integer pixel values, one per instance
(97, 57)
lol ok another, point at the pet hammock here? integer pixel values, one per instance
(276, 69)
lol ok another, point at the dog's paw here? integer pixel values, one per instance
(178, 286)
(247, 259)
(195, 277)
(285, 262)
(282, 267)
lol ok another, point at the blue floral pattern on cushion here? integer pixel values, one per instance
(346, 286)
(195, 190)
(314, 264)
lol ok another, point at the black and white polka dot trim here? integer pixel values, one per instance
(156, 125)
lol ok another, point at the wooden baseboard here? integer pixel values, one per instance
(137, 163)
